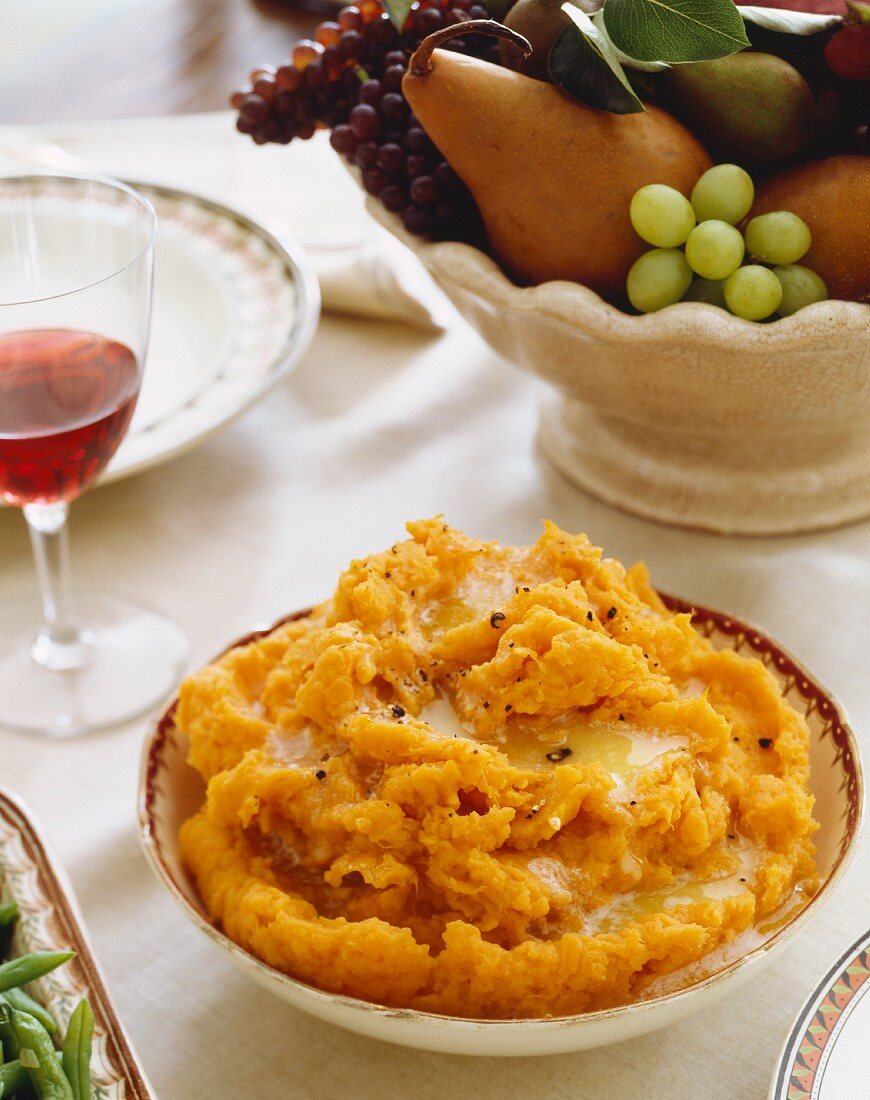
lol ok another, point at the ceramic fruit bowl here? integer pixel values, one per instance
(688, 416)
(170, 791)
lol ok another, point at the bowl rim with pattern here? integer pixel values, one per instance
(50, 921)
(164, 767)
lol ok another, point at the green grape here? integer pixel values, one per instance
(778, 238)
(658, 279)
(714, 249)
(725, 193)
(800, 287)
(753, 292)
(711, 291)
(661, 215)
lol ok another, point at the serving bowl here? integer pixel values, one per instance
(49, 921)
(688, 416)
(170, 791)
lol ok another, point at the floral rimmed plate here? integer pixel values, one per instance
(49, 921)
(170, 791)
(234, 311)
(825, 1055)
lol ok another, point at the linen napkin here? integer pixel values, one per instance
(301, 189)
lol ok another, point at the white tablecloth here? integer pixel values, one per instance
(381, 424)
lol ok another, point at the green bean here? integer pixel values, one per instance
(17, 998)
(27, 968)
(8, 1038)
(8, 917)
(37, 1053)
(77, 1050)
(14, 1079)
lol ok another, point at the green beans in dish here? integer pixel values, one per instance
(36, 1052)
(77, 1050)
(31, 1066)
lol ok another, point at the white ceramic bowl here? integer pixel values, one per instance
(687, 416)
(170, 791)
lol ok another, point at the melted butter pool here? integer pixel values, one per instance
(619, 748)
(630, 907)
(635, 905)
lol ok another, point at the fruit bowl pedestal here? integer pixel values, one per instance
(689, 416)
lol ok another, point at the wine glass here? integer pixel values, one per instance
(76, 268)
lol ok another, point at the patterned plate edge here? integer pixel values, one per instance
(123, 1059)
(801, 1058)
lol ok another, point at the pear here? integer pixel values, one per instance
(833, 198)
(553, 179)
(753, 109)
(540, 22)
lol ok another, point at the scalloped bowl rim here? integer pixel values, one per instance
(321, 1001)
(476, 272)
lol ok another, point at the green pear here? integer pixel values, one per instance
(753, 109)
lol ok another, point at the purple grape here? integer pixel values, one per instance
(394, 198)
(349, 79)
(391, 159)
(371, 92)
(365, 121)
(423, 190)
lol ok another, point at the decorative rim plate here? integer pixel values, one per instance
(49, 921)
(234, 311)
(825, 1055)
(838, 786)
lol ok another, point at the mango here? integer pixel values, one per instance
(833, 198)
(553, 179)
(752, 109)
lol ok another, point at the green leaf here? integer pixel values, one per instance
(675, 31)
(582, 63)
(623, 58)
(398, 11)
(861, 10)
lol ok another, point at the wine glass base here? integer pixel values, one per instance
(134, 659)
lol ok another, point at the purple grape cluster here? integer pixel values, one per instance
(349, 80)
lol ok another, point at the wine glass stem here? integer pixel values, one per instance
(60, 645)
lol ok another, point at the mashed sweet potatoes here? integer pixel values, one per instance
(493, 781)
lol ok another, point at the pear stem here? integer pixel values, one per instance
(421, 59)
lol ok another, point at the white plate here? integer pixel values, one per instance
(234, 310)
(825, 1055)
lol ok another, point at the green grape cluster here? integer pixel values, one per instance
(700, 255)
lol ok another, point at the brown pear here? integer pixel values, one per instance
(553, 179)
